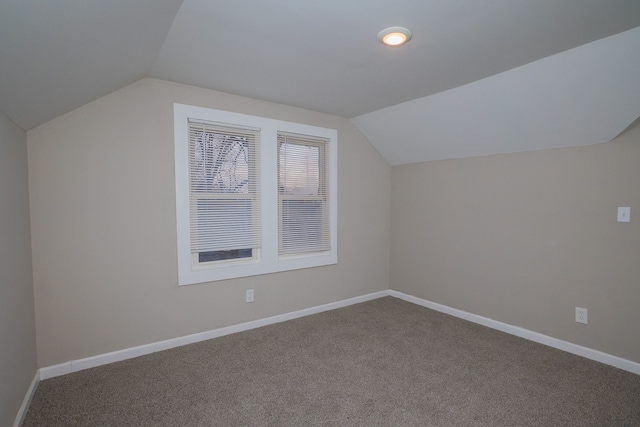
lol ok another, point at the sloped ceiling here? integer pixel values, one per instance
(466, 66)
(586, 95)
(58, 55)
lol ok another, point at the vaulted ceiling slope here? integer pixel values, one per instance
(56, 56)
(586, 95)
(320, 55)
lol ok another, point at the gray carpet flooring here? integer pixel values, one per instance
(385, 362)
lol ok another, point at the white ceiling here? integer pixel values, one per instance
(322, 55)
(586, 95)
(56, 55)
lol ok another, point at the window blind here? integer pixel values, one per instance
(224, 193)
(303, 199)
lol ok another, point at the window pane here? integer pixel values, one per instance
(302, 226)
(220, 163)
(299, 169)
(223, 224)
(224, 255)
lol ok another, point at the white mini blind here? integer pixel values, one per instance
(224, 195)
(303, 199)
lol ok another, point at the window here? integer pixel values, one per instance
(253, 195)
(224, 197)
(302, 195)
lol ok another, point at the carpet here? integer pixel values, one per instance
(385, 362)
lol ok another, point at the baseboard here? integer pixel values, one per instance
(22, 412)
(579, 350)
(116, 356)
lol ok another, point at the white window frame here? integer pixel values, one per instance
(267, 259)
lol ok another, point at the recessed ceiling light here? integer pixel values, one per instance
(394, 36)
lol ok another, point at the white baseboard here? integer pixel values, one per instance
(116, 356)
(579, 350)
(22, 412)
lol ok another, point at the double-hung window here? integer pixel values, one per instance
(302, 195)
(224, 196)
(253, 195)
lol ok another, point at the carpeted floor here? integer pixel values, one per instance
(385, 362)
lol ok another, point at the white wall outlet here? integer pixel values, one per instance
(624, 214)
(249, 295)
(581, 315)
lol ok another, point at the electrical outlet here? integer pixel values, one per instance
(249, 295)
(581, 315)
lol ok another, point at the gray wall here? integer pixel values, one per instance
(524, 238)
(17, 329)
(104, 236)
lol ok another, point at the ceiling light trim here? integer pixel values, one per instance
(394, 36)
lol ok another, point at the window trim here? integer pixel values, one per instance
(268, 260)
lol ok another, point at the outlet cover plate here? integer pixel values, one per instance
(581, 315)
(624, 214)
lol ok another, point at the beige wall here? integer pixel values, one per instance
(520, 238)
(524, 238)
(17, 329)
(103, 224)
